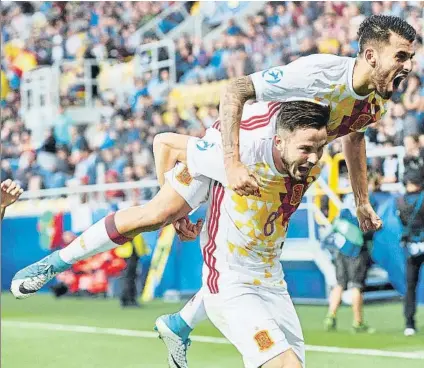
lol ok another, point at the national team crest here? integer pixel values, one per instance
(297, 194)
(263, 340)
(184, 177)
(362, 121)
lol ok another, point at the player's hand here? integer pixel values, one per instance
(368, 219)
(186, 230)
(241, 180)
(10, 192)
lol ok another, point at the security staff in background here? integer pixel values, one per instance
(411, 212)
(131, 251)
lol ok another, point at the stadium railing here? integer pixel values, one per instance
(155, 65)
(40, 99)
(36, 202)
(153, 27)
(41, 88)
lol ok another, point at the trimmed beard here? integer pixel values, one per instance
(379, 79)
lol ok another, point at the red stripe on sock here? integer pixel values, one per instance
(113, 232)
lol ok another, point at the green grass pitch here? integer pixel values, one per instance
(42, 348)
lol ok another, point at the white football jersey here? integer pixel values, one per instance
(243, 236)
(326, 79)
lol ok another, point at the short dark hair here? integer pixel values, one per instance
(378, 28)
(302, 115)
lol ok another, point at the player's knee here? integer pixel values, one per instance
(288, 359)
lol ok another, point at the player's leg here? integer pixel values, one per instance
(174, 329)
(183, 322)
(174, 200)
(243, 317)
(288, 359)
(358, 268)
(335, 299)
(413, 266)
(281, 306)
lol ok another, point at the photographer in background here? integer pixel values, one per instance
(411, 213)
(352, 261)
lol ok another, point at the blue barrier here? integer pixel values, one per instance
(387, 252)
(21, 247)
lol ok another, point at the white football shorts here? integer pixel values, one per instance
(260, 322)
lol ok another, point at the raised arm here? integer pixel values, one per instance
(356, 161)
(10, 192)
(233, 98)
(168, 149)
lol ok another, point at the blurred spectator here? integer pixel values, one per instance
(85, 165)
(233, 29)
(113, 195)
(414, 158)
(411, 213)
(390, 166)
(237, 61)
(211, 116)
(413, 100)
(131, 252)
(159, 88)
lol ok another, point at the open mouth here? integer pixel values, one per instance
(304, 170)
(398, 80)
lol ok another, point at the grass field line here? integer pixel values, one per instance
(205, 339)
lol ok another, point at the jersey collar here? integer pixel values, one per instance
(350, 80)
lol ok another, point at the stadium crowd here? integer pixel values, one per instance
(49, 32)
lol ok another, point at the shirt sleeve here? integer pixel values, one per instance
(206, 157)
(284, 82)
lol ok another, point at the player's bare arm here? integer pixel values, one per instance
(168, 149)
(233, 98)
(10, 192)
(356, 160)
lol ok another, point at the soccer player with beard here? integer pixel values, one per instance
(245, 295)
